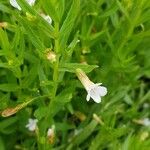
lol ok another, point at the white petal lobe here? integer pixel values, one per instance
(95, 96)
(88, 97)
(15, 4)
(32, 124)
(31, 2)
(102, 90)
(47, 18)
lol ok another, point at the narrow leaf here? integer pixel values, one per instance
(68, 23)
(71, 67)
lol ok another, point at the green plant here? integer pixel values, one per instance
(38, 62)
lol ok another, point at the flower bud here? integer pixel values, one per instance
(3, 24)
(30, 17)
(10, 111)
(51, 134)
(80, 115)
(51, 56)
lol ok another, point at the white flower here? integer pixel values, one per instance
(95, 91)
(31, 2)
(15, 4)
(146, 105)
(50, 132)
(32, 124)
(47, 18)
(146, 122)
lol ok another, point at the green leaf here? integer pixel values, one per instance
(30, 78)
(27, 8)
(110, 11)
(4, 42)
(58, 103)
(71, 67)
(127, 142)
(49, 7)
(2, 146)
(64, 126)
(40, 112)
(9, 87)
(44, 82)
(111, 134)
(68, 24)
(7, 122)
(60, 8)
(72, 45)
(32, 34)
(83, 135)
(3, 8)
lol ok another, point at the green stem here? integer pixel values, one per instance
(56, 65)
(55, 78)
(55, 72)
(56, 48)
(48, 118)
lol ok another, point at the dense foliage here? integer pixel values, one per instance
(107, 39)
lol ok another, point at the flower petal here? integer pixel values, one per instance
(47, 18)
(15, 4)
(27, 126)
(146, 122)
(31, 2)
(88, 97)
(32, 124)
(98, 84)
(95, 96)
(102, 90)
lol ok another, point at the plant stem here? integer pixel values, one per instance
(56, 65)
(48, 118)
